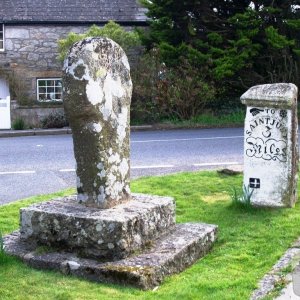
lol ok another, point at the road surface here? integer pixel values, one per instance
(43, 164)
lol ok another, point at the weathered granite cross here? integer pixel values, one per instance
(97, 95)
(115, 236)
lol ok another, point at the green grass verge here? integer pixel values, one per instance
(235, 118)
(208, 120)
(249, 243)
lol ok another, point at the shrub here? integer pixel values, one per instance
(111, 30)
(179, 92)
(145, 77)
(185, 92)
(19, 124)
(55, 119)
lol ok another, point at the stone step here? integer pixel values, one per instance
(169, 254)
(107, 234)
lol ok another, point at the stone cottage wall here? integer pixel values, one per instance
(31, 53)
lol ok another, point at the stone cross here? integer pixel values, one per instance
(135, 243)
(97, 96)
(271, 144)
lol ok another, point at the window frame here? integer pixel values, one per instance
(3, 37)
(46, 93)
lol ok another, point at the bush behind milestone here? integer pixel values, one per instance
(185, 92)
(161, 92)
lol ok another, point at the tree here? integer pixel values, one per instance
(274, 34)
(236, 43)
(111, 30)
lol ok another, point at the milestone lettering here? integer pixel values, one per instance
(270, 149)
(266, 135)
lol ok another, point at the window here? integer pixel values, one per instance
(49, 89)
(1, 37)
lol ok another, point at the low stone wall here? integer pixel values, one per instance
(33, 115)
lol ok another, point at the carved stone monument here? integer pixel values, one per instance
(97, 233)
(271, 144)
(97, 95)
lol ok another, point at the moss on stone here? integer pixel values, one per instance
(142, 270)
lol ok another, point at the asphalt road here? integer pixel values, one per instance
(44, 164)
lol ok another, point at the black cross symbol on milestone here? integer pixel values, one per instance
(254, 183)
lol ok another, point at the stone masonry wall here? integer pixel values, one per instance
(33, 116)
(31, 52)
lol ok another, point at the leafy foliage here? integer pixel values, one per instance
(277, 40)
(238, 43)
(145, 77)
(111, 30)
(184, 92)
(19, 124)
(177, 92)
(56, 119)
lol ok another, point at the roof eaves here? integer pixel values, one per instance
(71, 23)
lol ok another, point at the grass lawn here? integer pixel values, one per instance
(249, 243)
(207, 120)
(235, 118)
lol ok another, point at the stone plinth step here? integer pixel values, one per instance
(170, 254)
(107, 234)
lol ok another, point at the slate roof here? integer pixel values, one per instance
(71, 11)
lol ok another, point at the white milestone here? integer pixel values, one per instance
(271, 144)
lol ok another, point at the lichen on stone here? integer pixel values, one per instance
(97, 96)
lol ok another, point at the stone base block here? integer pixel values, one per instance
(170, 254)
(108, 234)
